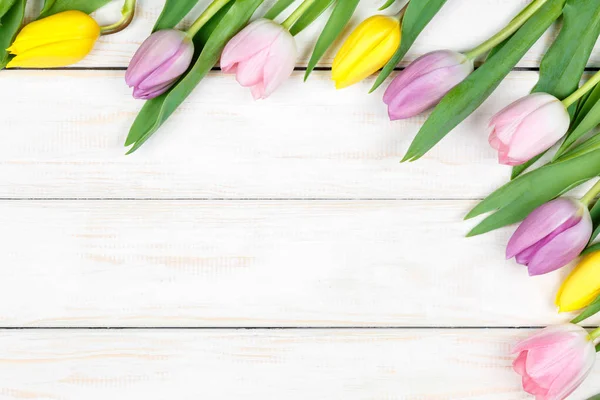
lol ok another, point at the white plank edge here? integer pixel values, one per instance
(372, 364)
(261, 263)
(63, 135)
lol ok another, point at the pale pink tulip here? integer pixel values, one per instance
(262, 56)
(528, 127)
(425, 82)
(555, 361)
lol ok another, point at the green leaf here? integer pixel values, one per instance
(519, 169)
(87, 6)
(8, 30)
(387, 5)
(417, 16)
(277, 8)
(589, 311)
(467, 96)
(596, 397)
(172, 13)
(313, 12)
(341, 14)
(563, 65)
(515, 200)
(5, 5)
(222, 28)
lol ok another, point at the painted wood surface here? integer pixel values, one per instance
(290, 213)
(264, 364)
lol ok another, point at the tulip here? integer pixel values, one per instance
(425, 82)
(555, 361)
(528, 127)
(551, 236)
(158, 63)
(262, 56)
(368, 48)
(582, 286)
(55, 41)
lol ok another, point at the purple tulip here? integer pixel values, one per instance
(425, 82)
(528, 127)
(158, 63)
(551, 236)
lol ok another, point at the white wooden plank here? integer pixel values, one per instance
(63, 135)
(372, 364)
(260, 263)
(460, 26)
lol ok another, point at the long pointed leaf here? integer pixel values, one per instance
(8, 30)
(341, 14)
(5, 5)
(172, 13)
(277, 8)
(87, 6)
(466, 97)
(313, 12)
(418, 14)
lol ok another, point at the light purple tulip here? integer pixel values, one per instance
(158, 63)
(262, 56)
(528, 127)
(551, 236)
(425, 82)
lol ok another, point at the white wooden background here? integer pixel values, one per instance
(263, 250)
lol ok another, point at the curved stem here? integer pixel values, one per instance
(595, 334)
(586, 87)
(127, 13)
(210, 11)
(505, 33)
(298, 12)
(591, 194)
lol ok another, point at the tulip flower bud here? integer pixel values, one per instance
(158, 63)
(262, 56)
(368, 48)
(582, 286)
(528, 127)
(555, 361)
(551, 236)
(55, 41)
(425, 82)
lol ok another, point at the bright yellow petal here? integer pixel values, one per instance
(53, 55)
(65, 26)
(582, 286)
(368, 49)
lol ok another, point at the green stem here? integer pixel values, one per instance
(210, 11)
(298, 12)
(505, 33)
(595, 334)
(127, 13)
(579, 93)
(591, 194)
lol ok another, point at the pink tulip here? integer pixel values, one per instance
(425, 82)
(528, 127)
(158, 63)
(262, 56)
(551, 236)
(555, 361)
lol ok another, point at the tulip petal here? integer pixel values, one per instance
(250, 72)
(53, 55)
(280, 63)
(170, 70)
(248, 43)
(541, 223)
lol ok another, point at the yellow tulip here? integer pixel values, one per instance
(55, 41)
(368, 48)
(582, 286)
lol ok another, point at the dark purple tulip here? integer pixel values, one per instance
(158, 63)
(551, 236)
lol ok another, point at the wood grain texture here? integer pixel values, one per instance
(63, 135)
(460, 26)
(375, 364)
(260, 263)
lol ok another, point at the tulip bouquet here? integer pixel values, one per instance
(261, 54)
